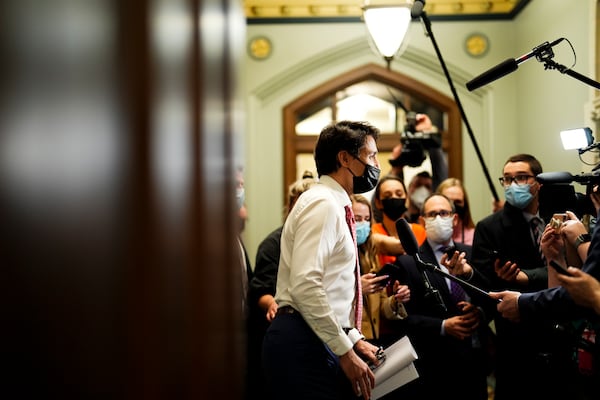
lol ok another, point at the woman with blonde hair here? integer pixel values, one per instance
(379, 299)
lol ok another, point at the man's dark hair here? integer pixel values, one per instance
(534, 164)
(338, 136)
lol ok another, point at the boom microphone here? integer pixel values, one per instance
(555, 177)
(508, 66)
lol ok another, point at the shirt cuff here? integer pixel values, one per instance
(341, 344)
(468, 278)
(354, 335)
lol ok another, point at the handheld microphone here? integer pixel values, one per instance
(508, 66)
(407, 237)
(409, 242)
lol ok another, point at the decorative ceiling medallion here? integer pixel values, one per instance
(477, 44)
(260, 48)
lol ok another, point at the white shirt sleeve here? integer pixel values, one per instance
(316, 271)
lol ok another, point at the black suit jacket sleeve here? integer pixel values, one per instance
(508, 233)
(266, 267)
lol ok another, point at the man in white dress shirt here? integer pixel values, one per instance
(312, 349)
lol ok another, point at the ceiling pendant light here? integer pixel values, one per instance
(387, 22)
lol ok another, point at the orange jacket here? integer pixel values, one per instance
(417, 229)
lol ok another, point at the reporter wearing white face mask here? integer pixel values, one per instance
(419, 188)
(439, 228)
(439, 217)
(444, 321)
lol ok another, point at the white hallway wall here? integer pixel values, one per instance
(521, 112)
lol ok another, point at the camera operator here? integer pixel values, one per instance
(411, 153)
(421, 136)
(567, 306)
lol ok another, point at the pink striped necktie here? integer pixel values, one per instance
(357, 287)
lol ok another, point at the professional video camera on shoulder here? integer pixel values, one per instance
(559, 183)
(414, 143)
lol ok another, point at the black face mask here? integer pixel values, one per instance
(367, 181)
(393, 207)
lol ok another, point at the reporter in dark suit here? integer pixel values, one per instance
(524, 351)
(556, 304)
(445, 330)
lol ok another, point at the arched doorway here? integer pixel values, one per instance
(391, 95)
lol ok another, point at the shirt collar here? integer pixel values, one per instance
(529, 217)
(340, 194)
(436, 246)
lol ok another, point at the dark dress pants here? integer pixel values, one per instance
(298, 365)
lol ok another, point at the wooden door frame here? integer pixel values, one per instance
(297, 144)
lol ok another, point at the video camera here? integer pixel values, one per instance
(557, 193)
(589, 179)
(415, 143)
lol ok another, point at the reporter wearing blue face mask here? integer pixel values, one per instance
(510, 235)
(506, 250)
(380, 299)
(363, 230)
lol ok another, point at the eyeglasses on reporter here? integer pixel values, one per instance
(521, 179)
(442, 213)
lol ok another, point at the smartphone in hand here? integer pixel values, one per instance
(391, 270)
(450, 251)
(559, 268)
(497, 256)
(557, 221)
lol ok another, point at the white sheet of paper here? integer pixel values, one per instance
(397, 370)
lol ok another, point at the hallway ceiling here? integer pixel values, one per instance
(296, 11)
